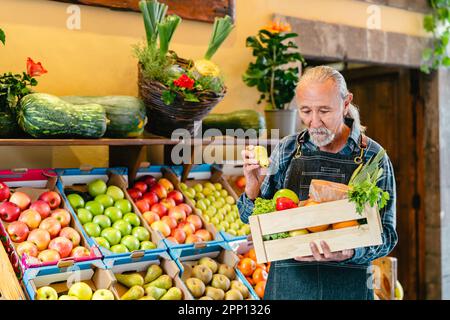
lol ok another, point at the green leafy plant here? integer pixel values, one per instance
(438, 23)
(363, 187)
(2, 36)
(275, 72)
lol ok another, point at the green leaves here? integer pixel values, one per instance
(2, 36)
(166, 29)
(153, 13)
(263, 206)
(221, 30)
(438, 23)
(271, 73)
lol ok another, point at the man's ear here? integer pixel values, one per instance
(347, 102)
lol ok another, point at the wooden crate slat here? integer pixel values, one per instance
(303, 217)
(341, 239)
(257, 240)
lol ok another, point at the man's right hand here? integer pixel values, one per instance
(254, 174)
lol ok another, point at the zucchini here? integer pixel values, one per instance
(46, 116)
(242, 119)
(8, 125)
(126, 115)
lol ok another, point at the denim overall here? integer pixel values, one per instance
(295, 280)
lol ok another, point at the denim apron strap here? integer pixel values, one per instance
(293, 280)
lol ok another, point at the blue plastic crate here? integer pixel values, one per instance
(83, 177)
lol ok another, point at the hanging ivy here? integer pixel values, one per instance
(438, 23)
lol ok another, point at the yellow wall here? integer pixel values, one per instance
(98, 60)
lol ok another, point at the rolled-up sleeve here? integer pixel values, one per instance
(388, 219)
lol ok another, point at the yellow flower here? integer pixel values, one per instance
(277, 27)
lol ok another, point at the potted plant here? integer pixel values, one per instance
(176, 91)
(275, 74)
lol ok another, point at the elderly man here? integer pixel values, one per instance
(330, 148)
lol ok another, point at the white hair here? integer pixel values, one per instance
(324, 73)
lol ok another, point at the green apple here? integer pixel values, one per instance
(286, 193)
(235, 226)
(220, 228)
(198, 188)
(92, 229)
(124, 205)
(67, 297)
(115, 192)
(141, 233)
(97, 187)
(102, 242)
(119, 248)
(113, 213)
(217, 204)
(232, 232)
(123, 226)
(131, 242)
(218, 186)
(46, 293)
(95, 207)
(199, 196)
(220, 216)
(216, 194)
(211, 211)
(84, 215)
(229, 200)
(223, 193)
(190, 193)
(215, 220)
(183, 186)
(133, 219)
(227, 207)
(75, 200)
(222, 211)
(147, 245)
(206, 218)
(207, 202)
(105, 200)
(229, 218)
(207, 192)
(102, 220)
(241, 232)
(201, 204)
(103, 294)
(80, 290)
(224, 224)
(298, 232)
(112, 236)
(209, 185)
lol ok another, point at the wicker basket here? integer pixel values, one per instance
(164, 119)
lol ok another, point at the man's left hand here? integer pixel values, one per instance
(327, 254)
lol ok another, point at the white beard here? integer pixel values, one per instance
(321, 137)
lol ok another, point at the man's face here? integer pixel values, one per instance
(321, 110)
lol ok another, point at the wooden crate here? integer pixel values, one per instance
(303, 217)
(384, 277)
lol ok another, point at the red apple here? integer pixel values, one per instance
(51, 225)
(28, 248)
(161, 227)
(49, 255)
(141, 186)
(176, 195)
(187, 209)
(177, 213)
(21, 199)
(166, 184)
(71, 234)
(179, 235)
(31, 217)
(192, 238)
(204, 234)
(52, 198)
(173, 239)
(42, 207)
(40, 237)
(134, 193)
(9, 211)
(142, 205)
(168, 203)
(195, 220)
(18, 231)
(160, 191)
(151, 217)
(149, 180)
(150, 197)
(63, 245)
(79, 252)
(171, 222)
(4, 192)
(160, 209)
(187, 227)
(62, 216)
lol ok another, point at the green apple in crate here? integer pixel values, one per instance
(84, 215)
(92, 229)
(76, 201)
(95, 207)
(114, 214)
(46, 293)
(112, 235)
(97, 187)
(115, 192)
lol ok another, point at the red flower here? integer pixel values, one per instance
(35, 69)
(184, 82)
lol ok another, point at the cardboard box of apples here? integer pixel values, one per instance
(165, 209)
(214, 200)
(109, 218)
(210, 273)
(94, 283)
(38, 229)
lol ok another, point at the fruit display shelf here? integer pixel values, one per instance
(120, 224)
(37, 229)
(211, 273)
